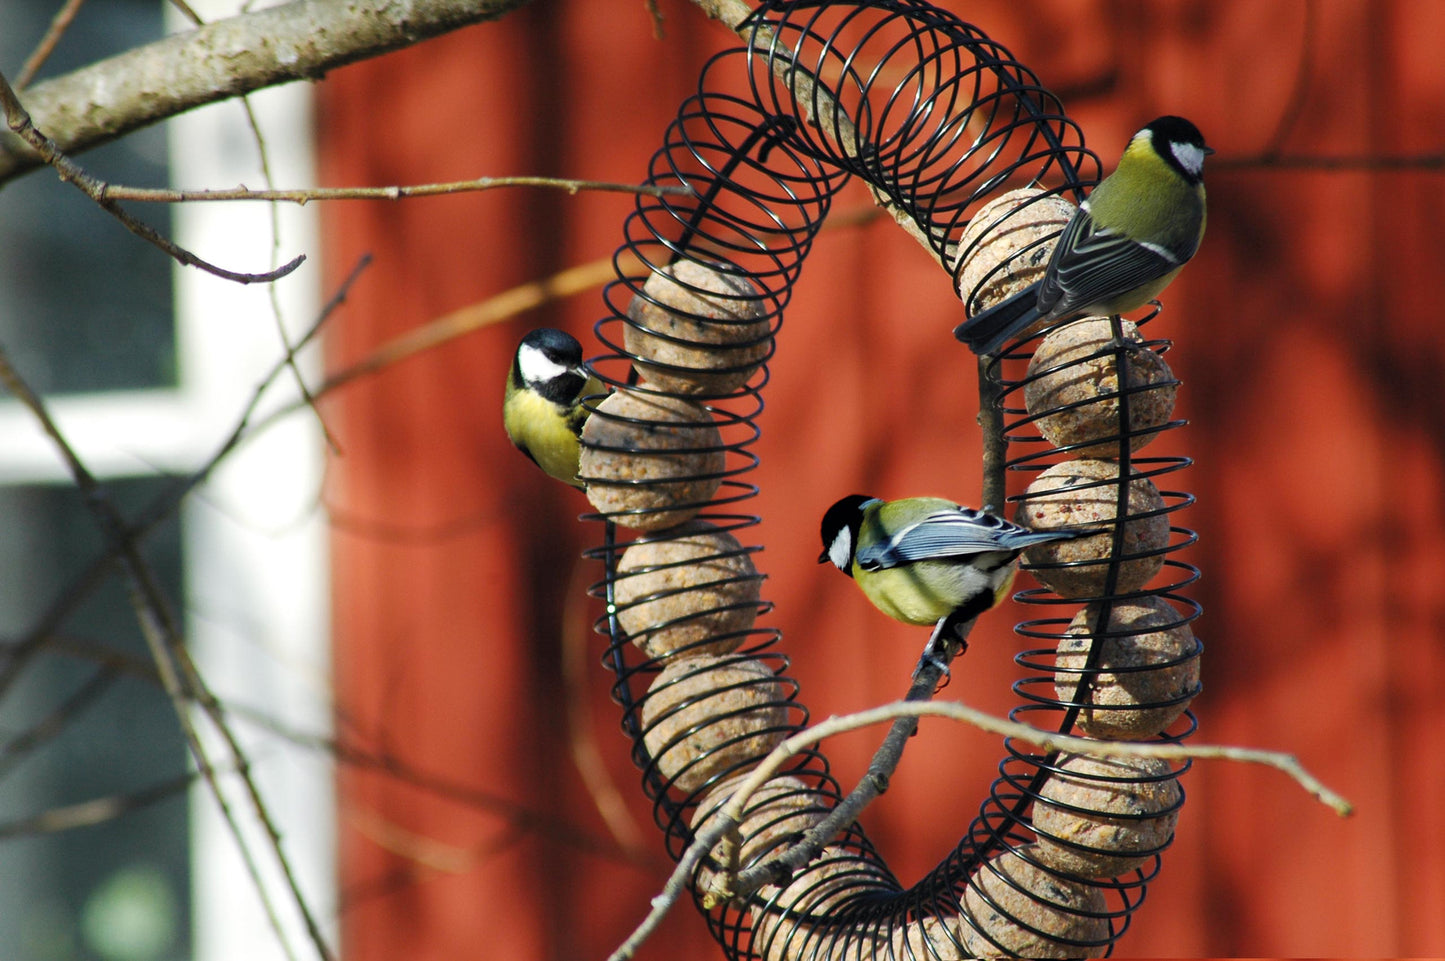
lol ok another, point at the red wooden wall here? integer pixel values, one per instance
(1308, 339)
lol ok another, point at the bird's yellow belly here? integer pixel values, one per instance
(924, 592)
(544, 436)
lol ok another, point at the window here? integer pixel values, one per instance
(146, 367)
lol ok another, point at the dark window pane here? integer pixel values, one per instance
(118, 889)
(84, 305)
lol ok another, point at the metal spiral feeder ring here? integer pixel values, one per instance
(950, 133)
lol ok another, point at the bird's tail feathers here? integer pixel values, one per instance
(986, 332)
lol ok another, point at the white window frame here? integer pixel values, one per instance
(254, 536)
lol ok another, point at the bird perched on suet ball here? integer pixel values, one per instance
(1124, 245)
(926, 560)
(542, 409)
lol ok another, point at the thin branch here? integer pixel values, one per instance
(552, 829)
(655, 15)
(776, 870)
(307, 195)
(504, 306)
(188, 13)
(87, 814)
(994, 496)
(424, 852)
(1053, 741)
(413, 872)
(53, 723)
(300, 40)
(58, 25)
(509, 304)
(19, 121)
(495, 309)
(1299, 95)
(730, 814)
(1347, 163)
(273, 294)
(157, 627)
(162, 636)
(215, 712)
(731, 885)
(165, 505)
(576, 664)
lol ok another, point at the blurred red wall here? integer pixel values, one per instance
(1308, 340)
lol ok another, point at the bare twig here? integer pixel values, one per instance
(1298, 97)
(1344, 163)
(177, 673)
(994, 496)
(273, 294)
(58, 25)
(159, 630)
(509, 304)
(165, 505)
(1053, 741)
(728, 887)
(730, 814)
(19, 121)
(299, 40)
(495, 309)
(553, 829)
(655, 14)
(305, 196)
(730, 884)
(48, 727)
(96, 811)
(412, 871)
(188, 13)
(606, 797)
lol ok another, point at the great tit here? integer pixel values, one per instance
(923, 559)
(542, 408)
(1123, 245)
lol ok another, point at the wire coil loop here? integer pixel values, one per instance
(940, 122)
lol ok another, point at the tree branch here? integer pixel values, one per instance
(20, 121)
(729, 886)
(300, 40)
(302, 197)
(731, 813)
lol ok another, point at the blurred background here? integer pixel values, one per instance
(486, 803)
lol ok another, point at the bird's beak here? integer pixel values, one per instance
(823, 557)
(1208, 151)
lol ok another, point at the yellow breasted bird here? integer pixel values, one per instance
(1123, 246)
(924, 560)
(542, 408)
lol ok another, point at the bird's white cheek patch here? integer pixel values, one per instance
(1190, 157)
(537, 367)
(840, 552)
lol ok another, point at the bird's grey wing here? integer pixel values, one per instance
(945, 534)
(1095, 265)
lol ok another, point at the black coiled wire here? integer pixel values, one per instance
(936, 118)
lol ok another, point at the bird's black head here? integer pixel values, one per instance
(840, 531)
(1181, 145)
(549, 361)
